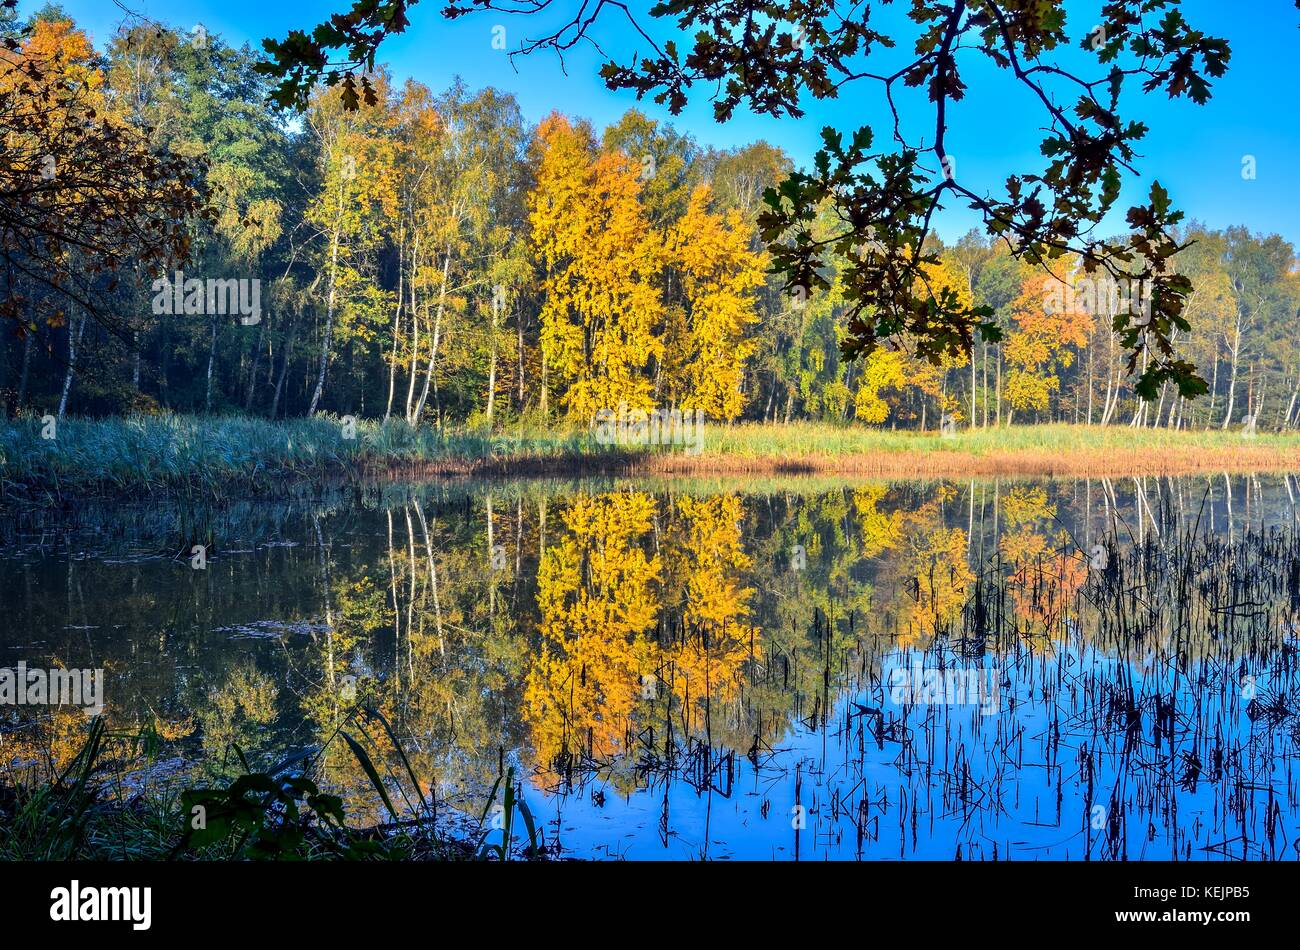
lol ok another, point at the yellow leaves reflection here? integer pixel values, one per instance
(638, 620)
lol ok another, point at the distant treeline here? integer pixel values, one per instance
(437, 258)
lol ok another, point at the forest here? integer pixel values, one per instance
(438, 258)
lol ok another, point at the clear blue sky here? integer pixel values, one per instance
(1196, 152)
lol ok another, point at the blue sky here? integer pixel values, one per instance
(1195, 151)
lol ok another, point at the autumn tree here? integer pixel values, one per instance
(598, 598)
(882, 370)
(739, 177)
(84, 198)
(707, 566)
(772, 60)
(602, 308)
(928, 374)
(719, 274)
(356, 194)
(1049, 319)
(665, 161)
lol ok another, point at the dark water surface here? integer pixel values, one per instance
(1016, 669)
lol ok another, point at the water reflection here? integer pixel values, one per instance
(1084, 669)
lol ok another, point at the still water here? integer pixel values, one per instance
(797, 669)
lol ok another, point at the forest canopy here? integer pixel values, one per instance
(774, 58)
(437, 257)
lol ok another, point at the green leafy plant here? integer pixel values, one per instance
(283, 814)
(512, 800)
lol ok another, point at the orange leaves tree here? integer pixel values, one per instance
(706, 559)
(82, 194)
(597, 598)
(1048, 321)
(633, 629)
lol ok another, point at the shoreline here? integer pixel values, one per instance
(190, 456)
(894, 464)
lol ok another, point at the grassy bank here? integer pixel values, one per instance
(93, 809)
(211, 455)
(1045, 450)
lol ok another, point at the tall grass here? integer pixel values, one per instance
(205, 455)
(280, 813)
(1049, 450)
(201, 454)
(813, 438)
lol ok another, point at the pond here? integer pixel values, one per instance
(1085, 669)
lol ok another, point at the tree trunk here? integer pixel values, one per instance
(546, 408)
(328, 341)
(433, 348)
(1160, 406)
(74, 343)
(1286, 423)
(999, 383)
(1232, 376)
(972, 388)
(415, 336)
(397, 329)
(135, 364)
(284, 370)
(492, 367)
(986, 386)
(519, 329)
(212, 357)
(1090, 384)
(257, 359)
(1214, 389)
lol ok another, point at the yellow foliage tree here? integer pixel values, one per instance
(602, 308)
(880, 531)
(882, 369)
(719, 276)
(707, 556)
(925, 375)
